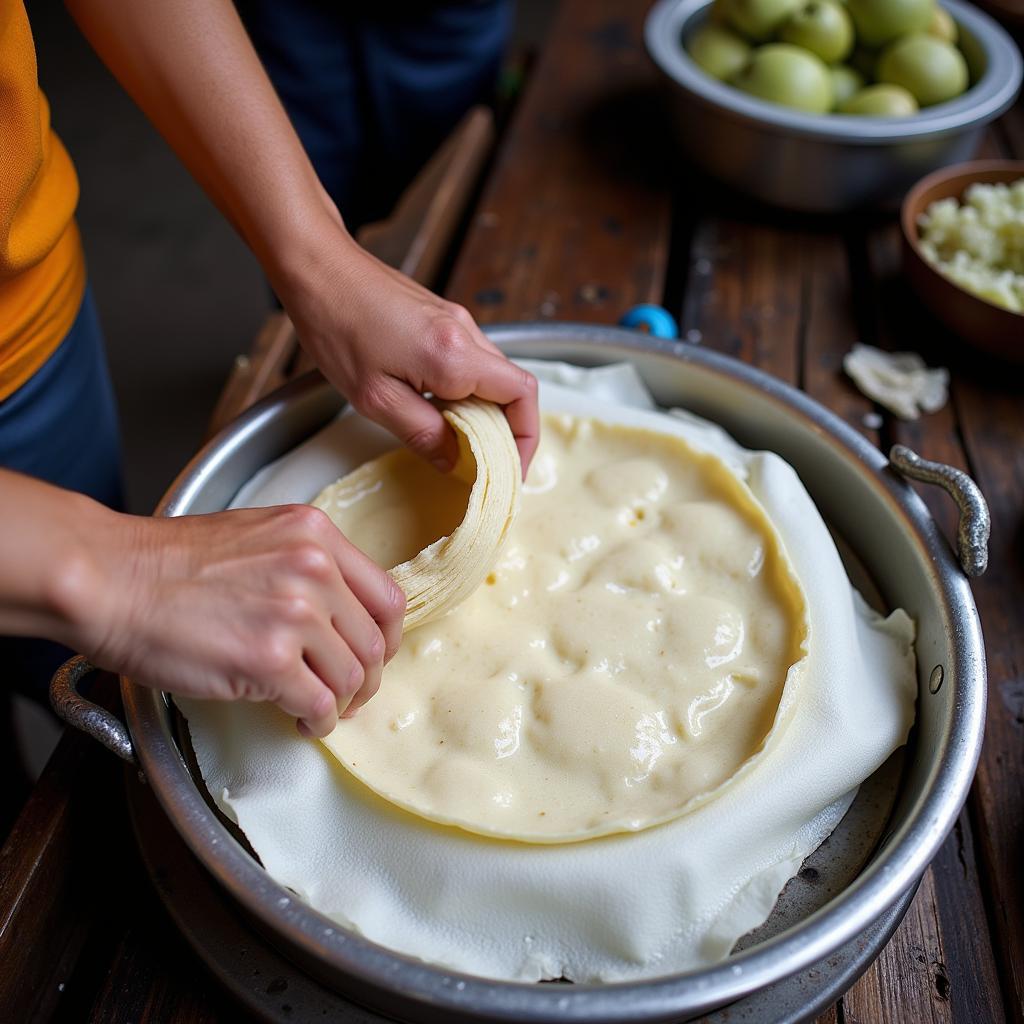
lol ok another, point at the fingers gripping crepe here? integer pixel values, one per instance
(447, 570)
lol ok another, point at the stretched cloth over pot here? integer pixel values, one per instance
(622, 907)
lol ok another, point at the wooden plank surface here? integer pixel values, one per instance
(941, 962)
(574, 223)
(52, 876)
(584, 216)
(989, 402)
(982, 431)
(791, 295)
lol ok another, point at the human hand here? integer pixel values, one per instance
(257, 604)
(378, 337)
(384, 340)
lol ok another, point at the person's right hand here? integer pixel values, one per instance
(257, 604)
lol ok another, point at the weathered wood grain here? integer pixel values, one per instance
(899, 322)
(992, 415)
(746, 293)
(1011, 133)
(990, 405)
(257, 373)
(574, 223)
(781, 298)
(52, 878)
(939, 966)
(834, 285)
(910, 982)
(16, 782)
(832, 327)
(154, 977)
(793, 300)
(417, 237)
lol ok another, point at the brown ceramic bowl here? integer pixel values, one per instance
(982, 324)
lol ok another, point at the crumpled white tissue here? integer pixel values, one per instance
(619, 908)
(899, 381)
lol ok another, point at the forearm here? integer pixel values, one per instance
(379, 338)
(269, 604)
(191, 68)
(50, 582)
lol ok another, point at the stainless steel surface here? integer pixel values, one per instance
(877, 514)
(273, 989)
(975, 522)
(827, 162)
(83, 714)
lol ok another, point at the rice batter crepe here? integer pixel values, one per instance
(626, 655)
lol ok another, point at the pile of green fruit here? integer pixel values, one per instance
(878, 58)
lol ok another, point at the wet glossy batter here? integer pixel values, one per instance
(624, 659)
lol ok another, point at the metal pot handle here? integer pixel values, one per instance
(975, 522)
(82, 714)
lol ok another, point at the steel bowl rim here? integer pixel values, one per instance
(984, 101)
(904, 856)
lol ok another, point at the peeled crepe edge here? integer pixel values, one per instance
(446, 572)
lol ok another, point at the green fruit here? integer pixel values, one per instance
(880, 101)
(942, 25)
(864, 60)
(788, 75)
(845, 82)
(823, 27)
(880, 21)
(758, 19)
(933, 70)
(719, 51)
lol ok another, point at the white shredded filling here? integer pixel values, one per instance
(979, 244)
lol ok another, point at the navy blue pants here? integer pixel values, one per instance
(373, 89)
(61, 426)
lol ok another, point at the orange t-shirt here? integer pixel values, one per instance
(42, 269)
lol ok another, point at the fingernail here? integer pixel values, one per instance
(304, 729)
(442, 465)
(350, 712)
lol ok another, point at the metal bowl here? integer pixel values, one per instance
(827, 162)
(867, 502)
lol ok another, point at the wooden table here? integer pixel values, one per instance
(586, 212)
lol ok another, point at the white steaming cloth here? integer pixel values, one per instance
(624, 907)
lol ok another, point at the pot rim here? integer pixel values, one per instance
(901, 860)
(984, 101)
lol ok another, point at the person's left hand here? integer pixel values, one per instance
(384, 341)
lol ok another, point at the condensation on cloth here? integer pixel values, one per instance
(619, 908)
